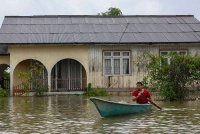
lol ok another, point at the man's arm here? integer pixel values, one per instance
(136, 97)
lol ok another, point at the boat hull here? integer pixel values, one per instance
(109, 108)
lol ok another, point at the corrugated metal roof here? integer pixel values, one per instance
(100, 29)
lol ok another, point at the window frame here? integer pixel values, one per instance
(168, 57)
(121, 57)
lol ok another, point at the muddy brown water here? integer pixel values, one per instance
(77, 114)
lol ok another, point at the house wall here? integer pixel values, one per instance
(138, 71)
(5, 60)
(47, 55)
(96, 75)
(90, 56)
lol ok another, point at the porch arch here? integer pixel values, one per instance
(16, 63)
(68, 75)
(28, 66)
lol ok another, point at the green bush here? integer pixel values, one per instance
(173, 79)
(34, 77)
(89, 87)
(40, 90)
(3, 92)
(95, 92)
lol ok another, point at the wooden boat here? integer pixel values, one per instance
(109, 108)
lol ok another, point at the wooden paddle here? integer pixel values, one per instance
(154, 104)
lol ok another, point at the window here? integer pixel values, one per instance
(166, 55)
(116, 62)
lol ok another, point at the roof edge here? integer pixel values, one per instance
(102, 43)
(38, 16)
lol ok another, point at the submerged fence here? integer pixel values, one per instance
(29, 86)
(72, 84)
(57, 85)
(5, 83)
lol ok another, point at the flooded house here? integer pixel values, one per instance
(108, 52)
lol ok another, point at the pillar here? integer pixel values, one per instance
(11, 81)
(49, 81)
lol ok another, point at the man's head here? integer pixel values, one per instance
(139, 85)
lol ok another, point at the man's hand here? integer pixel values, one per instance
(141, 92)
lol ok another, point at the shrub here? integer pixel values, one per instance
(3, 92)
(173, 79)
(40, 89)
(34, 77)
(95, 92)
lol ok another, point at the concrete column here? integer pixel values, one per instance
(49, 81)
(11, 81)
(56, 78)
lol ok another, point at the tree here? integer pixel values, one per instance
(112, 11)
(173, 79)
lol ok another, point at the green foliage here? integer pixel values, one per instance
(6, 75)
(95, 92)
(89, 87)
(40, 89)
(35, 78)
(112, 11)
(3, 92)
(151, 87)
(25, 78)
(173, 79)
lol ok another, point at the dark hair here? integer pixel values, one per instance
(139, 83)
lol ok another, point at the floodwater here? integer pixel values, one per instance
(76, 114)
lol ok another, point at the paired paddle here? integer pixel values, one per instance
(154, 104)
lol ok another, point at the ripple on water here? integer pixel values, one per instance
(76, 114)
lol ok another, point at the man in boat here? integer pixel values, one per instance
(141, 95)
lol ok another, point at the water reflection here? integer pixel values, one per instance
(76, 114)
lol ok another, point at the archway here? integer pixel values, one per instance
(4, 76)
(68, 75)
(28, 73)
